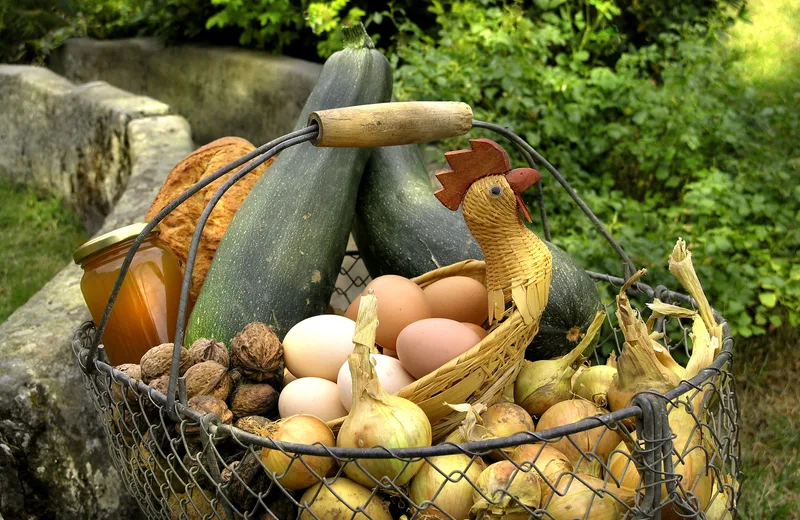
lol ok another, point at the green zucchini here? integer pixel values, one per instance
(571, 307)
(279, 259)
(401, 227)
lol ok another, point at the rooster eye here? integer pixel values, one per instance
(495, 190)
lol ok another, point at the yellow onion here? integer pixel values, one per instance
(442, 482)
(577, 499)
(638, 368)
(509, 491)
(541, 384)
(578, 373)
(723, 501)
(504, 419)
(287, 468)
(593, 384)
(340, 499)
(549, 461)
(599, 440)
(376, 417)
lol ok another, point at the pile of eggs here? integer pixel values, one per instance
(419, 330)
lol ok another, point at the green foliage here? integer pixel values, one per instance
(658, 139)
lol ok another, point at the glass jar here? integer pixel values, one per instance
(146, 309)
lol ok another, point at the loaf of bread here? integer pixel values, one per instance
(179, 226)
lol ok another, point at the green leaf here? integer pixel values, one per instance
(768, 299)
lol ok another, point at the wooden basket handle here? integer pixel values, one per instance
(391, 124)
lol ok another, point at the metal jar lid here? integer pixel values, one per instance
(109, 239)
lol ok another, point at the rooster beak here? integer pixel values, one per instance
(522, 178)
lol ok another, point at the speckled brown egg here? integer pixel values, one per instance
(458, 298)
(400, 303)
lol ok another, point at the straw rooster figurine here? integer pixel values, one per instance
(518, 263)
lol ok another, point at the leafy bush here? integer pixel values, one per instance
(657, 139)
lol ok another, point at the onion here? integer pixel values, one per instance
(508, 489)
(376, 417)
(638, 368)
(598, 440)
(549, 461)
(593, 384)
(504, 419)
(325, 505)
(288, 469)
(541, 384)
(577, 499)
(444, 482)
(681, 266)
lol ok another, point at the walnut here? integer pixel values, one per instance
(253, 400)
(120, 391)
(253, 424)
(160, 384)
(158, 360)
(209, 350)
(251, 479)
(210, 404)
(208, 378)
(259, 353)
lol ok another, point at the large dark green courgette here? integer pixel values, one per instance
(401, 227)
(280, 257)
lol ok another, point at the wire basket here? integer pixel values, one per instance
(179, 463)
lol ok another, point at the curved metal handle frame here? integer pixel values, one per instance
(259, 156)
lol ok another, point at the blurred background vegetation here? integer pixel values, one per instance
(670, 118)
(666, 125)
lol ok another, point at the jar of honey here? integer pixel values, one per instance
(146, 309)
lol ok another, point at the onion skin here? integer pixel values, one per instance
(575, 500)
(505, 419)
(549, 461)
(592, 384)
(500, 482)
(326, 506)
(302, 429)
(601, 440)
(452, 492)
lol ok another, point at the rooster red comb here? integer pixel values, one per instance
(484, 158)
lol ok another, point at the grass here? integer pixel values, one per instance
(37, 237)
(768, 368)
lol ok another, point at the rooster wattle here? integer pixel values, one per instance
(518, 263)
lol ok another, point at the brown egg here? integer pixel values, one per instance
(425, 345)
(458, 298)
(480, 331)
(400, 303)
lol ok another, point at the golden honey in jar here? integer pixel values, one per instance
(146, 309)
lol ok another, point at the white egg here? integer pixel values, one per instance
(391, 374)
(317, 346)
(288, 377)
(313, 396)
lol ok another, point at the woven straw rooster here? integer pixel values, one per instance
(518, 263)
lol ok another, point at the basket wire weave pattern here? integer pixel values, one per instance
(181, 464)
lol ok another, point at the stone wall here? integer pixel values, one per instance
(71, 140)
(220, 91)
(54, 460)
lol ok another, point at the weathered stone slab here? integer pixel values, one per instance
(69, 139)
(54, 460)
(220, 91)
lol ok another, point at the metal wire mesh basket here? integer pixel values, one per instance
(179, 463)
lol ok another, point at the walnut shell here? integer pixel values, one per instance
(253, 400)
(209, 350)
(253, 424)
(157, 361)
(208, 378)
(259, 354)
(251, 478)
(120, 391)
(210, 404)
